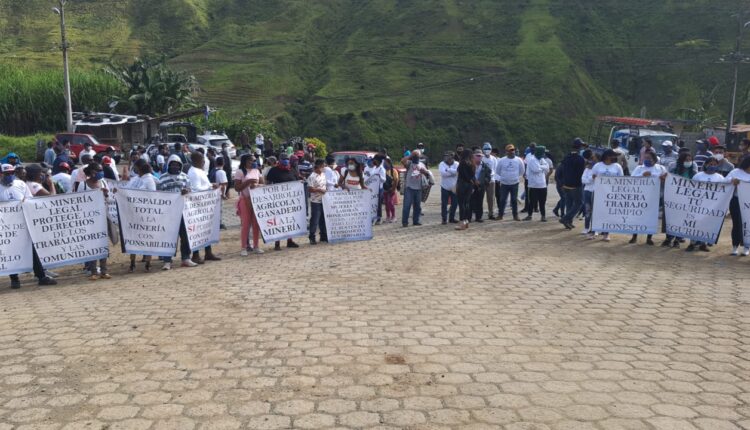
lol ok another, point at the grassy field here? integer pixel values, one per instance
(389, 72)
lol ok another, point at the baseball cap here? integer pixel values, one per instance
(8, 168)
(713, 141)
(667, 143)
(487, 145)
(64, 166)
(106, 160)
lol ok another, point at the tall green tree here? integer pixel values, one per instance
(153, 88)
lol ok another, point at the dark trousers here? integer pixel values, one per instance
(463, 195)
(446, 195)
(526, 196)
(412, 197)
(477, 202)
(184, 244)
(537, 199)
(37, 266)
(560, 206)
(317, 220)
(380, 208)
(736, 213)
(573, 203)
(505, 192)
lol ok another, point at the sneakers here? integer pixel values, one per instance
(243, 253)
(45, 281)
(746, 252)
(258, 251)
(188, 263)
(166, 266)
(605, 238)
(735, 251)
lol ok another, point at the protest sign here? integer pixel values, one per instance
(15, 244)
(695, 210)
(348, 215)
(110, 200)
(280, 210)
(626, 204)
(373, 184)
(150, 221)
(743, 195)
(202, 215)
(68, 228)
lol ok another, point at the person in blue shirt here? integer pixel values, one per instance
(12, 158)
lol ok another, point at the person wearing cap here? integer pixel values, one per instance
(15, 190)
(482, 177)
(509, 170)
(63, 178)
(724, 165)
(62, 152)
(572, 168)
(415, 171)
(669, 156)
(12, 158)
(702, 154)
(448, 169)
(110, 170)
(536, 174)
(491, 162)
(280, 173)
(87, 150)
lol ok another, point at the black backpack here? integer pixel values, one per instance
(388, 185)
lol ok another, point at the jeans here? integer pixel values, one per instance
(317, 220)
(573, 203)
(588, 204)
(412, 197)
(463, 195)
(491, 198)
(505, 191)
(91, 266)
(537, 199)
(560, 206)
(445, 195)
(477, 202)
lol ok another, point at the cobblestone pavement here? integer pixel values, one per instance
(510, 325)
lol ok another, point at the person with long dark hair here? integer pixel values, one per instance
(141, 178)
(95, 181)
(353, 177)
(464, 186)
(683, 167)
(246, 178)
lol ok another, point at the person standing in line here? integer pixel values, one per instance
(608, 167)
(738, 175)
(483, 176)
(390, 190)
(711, 174)
(353, 177)
(415, 170)
(536, 174)
(491, 162)
(280, 173)
(63, 178)
(448, 176)
(684, 168)
(227, 168)
(669, 156)
(510, 169)
(39, 183)
(317, 185)
(87, 150)
(247, 178)
(650, 168)
(587, 180)
(702, 154)
(622, 158)
(174, 180)
(220, 178)
(725, 166)
(559, 209)
(199, 182)
(332, 175)
(15, 190)
(95, 181)
(572, 168)
(465, 182)
(375, 169)
(141, 178)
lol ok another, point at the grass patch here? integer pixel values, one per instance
(24, 146)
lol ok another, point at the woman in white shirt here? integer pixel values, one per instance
(536, 176)
(649, 168)
(607, 167)
(141, 178)
(740, 174)
(95, 181)
(587, 179)
(710, 173)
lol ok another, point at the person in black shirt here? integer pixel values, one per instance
(282, 172)
(572, 169)
(464, 187)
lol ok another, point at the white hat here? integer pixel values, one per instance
(8, 168)
(667, 143)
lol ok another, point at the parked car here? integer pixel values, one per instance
(362, 157)
(216, 140)
(77, 141)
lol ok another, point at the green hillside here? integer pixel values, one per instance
(390, 72)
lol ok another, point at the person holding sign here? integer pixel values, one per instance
(280, 173)
(247, 178)
(685, 168)
(15, 190)
(175, 181)
(738, 175)
(198, 178)
(39, 183)
(587, 180)
(316, 185)
(95, 181)
(607, 167)
(710, 173)
(142, 178)
(650, 167)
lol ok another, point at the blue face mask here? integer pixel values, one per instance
(711, 169)
(648, 163)
(8, 179)
(255, 165)
(99, 176)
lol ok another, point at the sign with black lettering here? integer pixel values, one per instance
(280, 210)
(149, 221)
(15, 244)
(348, 215)
(626, 204)
(68, 228)
(743, 195)
(696, 210)
(202, 215)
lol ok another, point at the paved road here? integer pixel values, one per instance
(507, 326)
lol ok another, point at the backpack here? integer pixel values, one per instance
(388, 185)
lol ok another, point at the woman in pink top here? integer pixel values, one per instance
(246, 178)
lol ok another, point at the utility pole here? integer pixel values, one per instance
(736, 58)
(66, 73)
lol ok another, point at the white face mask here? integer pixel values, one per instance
(719, 157)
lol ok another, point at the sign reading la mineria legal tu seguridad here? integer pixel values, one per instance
(695, 210)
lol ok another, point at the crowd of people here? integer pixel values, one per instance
(470, 178)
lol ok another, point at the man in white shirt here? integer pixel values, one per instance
(63, 178)
(374, 179)
(509, 170)
(87, 151)
(332, 176)
(317, 185)
(199, 182)
(448, 169)
(491, 162)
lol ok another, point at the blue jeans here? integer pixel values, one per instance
(505, 191)
(411, 198)
(573, 203)
(444, 196)
(317, 219)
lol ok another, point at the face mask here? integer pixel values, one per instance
(99, 176)
(415, 158)
(351, 166)
(174, 170)
(8, 179)
(687, 164)
(719, 157)
(255, 165)
(487, 152)
(667, 150)
(369, 163)
(711, 169)
(648, 163)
